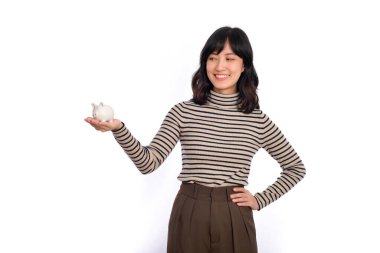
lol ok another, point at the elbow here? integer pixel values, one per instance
(145, 170)
(299, 171)
(302, 172)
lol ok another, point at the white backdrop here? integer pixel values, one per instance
(65, 187)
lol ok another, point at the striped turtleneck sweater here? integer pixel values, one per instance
(218, 143)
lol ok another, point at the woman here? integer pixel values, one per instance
(221, 128)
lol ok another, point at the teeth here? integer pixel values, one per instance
(221, 76)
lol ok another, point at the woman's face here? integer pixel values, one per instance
(224, 70)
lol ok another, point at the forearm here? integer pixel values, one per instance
(150, 157)
(146, 158)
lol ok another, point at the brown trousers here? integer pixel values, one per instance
(205, 220)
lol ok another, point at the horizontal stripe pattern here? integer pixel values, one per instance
(218, 143)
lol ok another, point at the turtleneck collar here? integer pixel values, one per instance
(223, 100)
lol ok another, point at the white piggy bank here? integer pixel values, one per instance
(102, 112)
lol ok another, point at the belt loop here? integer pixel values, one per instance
(228, 193)
(195, 191)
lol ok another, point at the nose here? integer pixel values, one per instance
(220, 65)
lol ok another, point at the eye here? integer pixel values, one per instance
(230, 59)
(211, 58)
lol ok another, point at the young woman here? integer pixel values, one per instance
(220, 129)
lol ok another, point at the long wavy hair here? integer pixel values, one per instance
(248, 81)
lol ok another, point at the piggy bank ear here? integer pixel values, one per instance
(93, 106)
(101, 104)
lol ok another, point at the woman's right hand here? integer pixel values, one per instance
(113, 125)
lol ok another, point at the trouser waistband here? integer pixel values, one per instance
(197, 191)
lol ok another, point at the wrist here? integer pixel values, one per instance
(118, 127)
(255, 205)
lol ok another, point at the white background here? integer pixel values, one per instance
(65, 187)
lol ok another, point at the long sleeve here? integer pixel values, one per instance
(293, 169)
(148, 158)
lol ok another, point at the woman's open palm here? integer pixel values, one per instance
(104, 126)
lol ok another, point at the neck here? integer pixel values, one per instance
(224, 100)
(225, 91)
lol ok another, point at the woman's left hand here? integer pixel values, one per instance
(244, 198)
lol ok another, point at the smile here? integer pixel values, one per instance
(221, 77)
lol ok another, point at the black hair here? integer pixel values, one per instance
(248, 81)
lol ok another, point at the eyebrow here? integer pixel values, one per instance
(214, 53)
